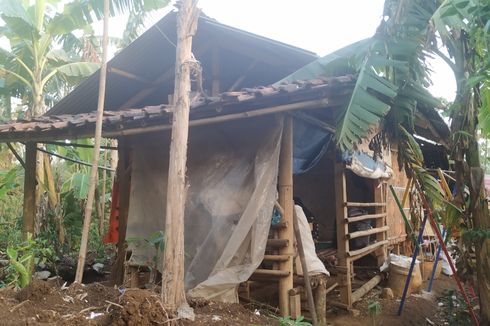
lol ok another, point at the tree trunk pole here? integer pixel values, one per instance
(96, 153)
(29, 213)
(173, 293)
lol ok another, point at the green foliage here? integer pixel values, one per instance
(374, 308)
(23, 257)
(288, 321)
(456, 310)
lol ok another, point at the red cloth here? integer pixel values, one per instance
(112, 235)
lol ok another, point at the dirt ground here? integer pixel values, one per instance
(419, 309)
(49, 303)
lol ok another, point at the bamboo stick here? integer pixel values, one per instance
(366, 250)
(301, 250)
(358, 234)
(17, 156)
(368, 286)
(364, 217)
(285, 181)
(353, 204)
(95, 159)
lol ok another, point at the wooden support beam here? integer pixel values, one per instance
(215, 67)
(368, 286)
(286, 201)
(276, 257)
(277, 243)
(271, 273)
(342, 231)
(314, 121)
(321, 301)
(17, 156)
(364, 233)
(380, 195)
(364, 217)
(294, 304)
(29, 209)
(124, 179)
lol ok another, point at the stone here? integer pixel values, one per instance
(387, 293)
(42, 275)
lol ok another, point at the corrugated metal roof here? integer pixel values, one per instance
(152, 57)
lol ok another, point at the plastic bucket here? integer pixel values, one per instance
(398, 276)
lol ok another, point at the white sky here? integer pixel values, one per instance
(320, 26)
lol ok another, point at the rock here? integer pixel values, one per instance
(387, 293)
(354, 312)
(98, 267)
(42, 275)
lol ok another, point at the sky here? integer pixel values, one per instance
(320, 26)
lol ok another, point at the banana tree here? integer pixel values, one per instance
(464, 26)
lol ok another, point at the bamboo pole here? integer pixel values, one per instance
(173, 293)
(95, 160)
(286, 202)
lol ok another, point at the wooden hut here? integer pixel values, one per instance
(250, 149)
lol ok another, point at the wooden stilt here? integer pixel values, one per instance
(380, 197)
(342, 230)
(286, 202)
(29, 211)
(124, 178)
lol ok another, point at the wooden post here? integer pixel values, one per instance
(321, 301)
(380, 197)
(96, 153)
(124, 182)
(29, 211)
(215, 66)
(342, 230)
(309, 292)
(173, 295)
(286, 202)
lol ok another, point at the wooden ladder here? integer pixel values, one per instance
(347, 256)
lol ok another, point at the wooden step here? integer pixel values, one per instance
(353, 204)
(366, 250)
(280, 225)
(270, 273)
(276, 257)
(364, 217)
(277, 243)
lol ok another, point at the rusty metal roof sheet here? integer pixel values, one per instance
(83, 125)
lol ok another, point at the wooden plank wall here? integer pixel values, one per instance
(396, 233)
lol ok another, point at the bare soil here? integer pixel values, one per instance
(419, 309)
(50, 303)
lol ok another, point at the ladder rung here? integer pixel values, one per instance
(276, 257)
(358, 234)
(280, 225)
(367, 249)
(271, 272)
(277, 243)
(364, 217)
(352, 204)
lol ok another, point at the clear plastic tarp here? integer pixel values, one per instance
(232, 175)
